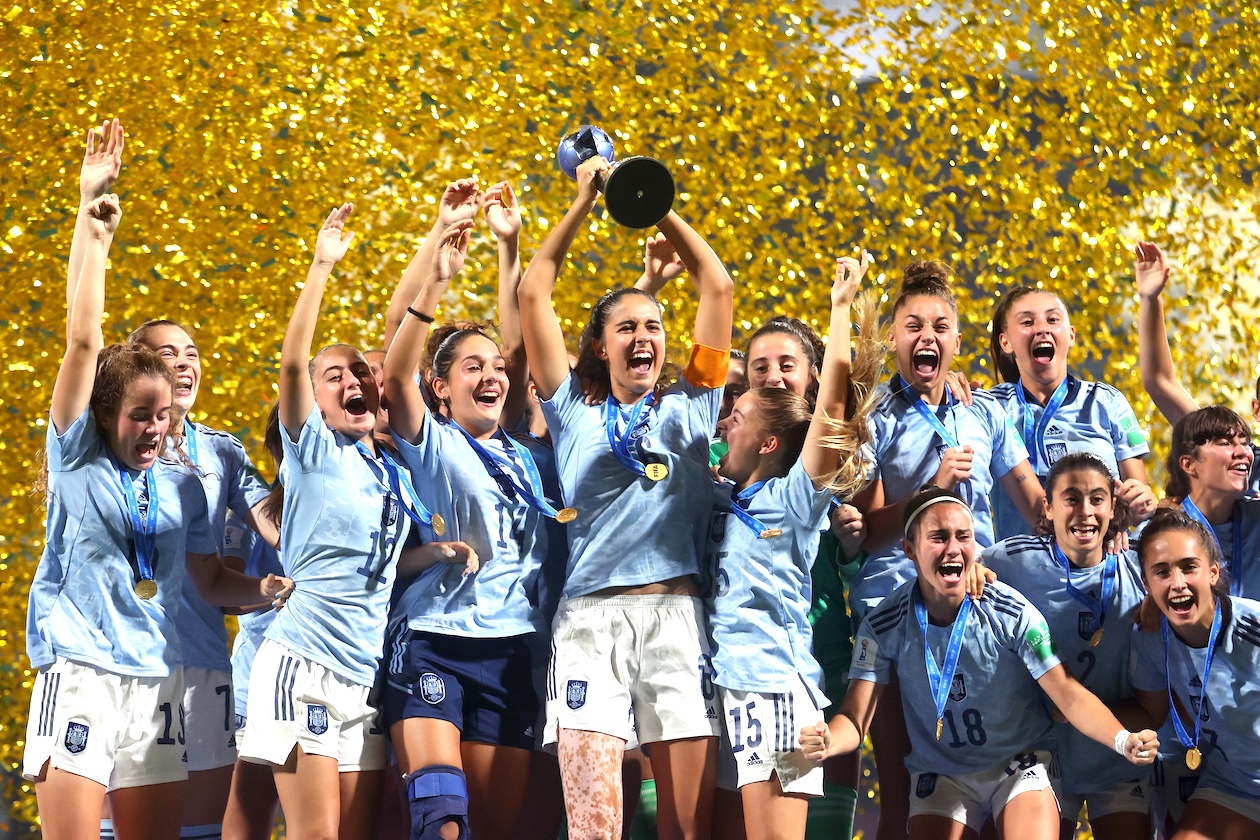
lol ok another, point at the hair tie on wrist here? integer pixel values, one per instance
(428, 319)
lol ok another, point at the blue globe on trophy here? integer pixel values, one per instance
(638, 192)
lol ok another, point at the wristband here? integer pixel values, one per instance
(428, 319)
(1122, 738)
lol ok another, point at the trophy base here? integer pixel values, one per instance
(639, 192)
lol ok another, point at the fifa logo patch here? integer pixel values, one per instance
(317, 719)
(432, 689)
(575, 694)
(925, 786)
(958, 688)
(76, 738)
(866, 652)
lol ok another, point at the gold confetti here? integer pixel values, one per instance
(1021, 143)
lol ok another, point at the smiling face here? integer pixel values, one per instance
(345, 391)
(1180, 574)
(942, 545)
(1080, 505)
(633, 345)
(746, 439)
(1220, 466)
(177, 349)
(924, 340)
(1039, 335)
(778, 360)
(144, 417)
(475, 386)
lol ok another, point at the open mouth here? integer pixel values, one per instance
(1181, 604)
(356, 406)
(1084, 533)
(183, 385)
(146, 450)
(488, 398)
(1043, 351)
(926, 363)
(641, 363)
(952, 570)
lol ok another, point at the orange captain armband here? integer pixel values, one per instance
(708, 366)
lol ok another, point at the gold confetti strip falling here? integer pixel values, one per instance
(1028, 143)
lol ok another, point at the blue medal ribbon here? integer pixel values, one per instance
(940, 679)
(400, 484)
(620, 444)
(1111, 569)
(739, 506)
(1034, 433)
(190, 437)
(143, 529)
(1232, 562)
(501, 472)
(1182, 736)
(900, 386)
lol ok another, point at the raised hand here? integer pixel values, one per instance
(330, 244)
(103, 215)
(503, 213)
(102, 160)
(955, 467)
(1151, 270)
(849, 274)
(661, 263)
(850, 528)
(590, 173)
(452, 250)
(461, 200)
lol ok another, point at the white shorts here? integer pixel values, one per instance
(1249, 808)
(761, 737)
(973, 798)
(295, 702)
(209, 719)
(119, 731)
(647, 653)
(1121, 798)
(1171, 785)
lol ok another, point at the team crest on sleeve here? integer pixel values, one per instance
(958, 688)
(575, 694)
(925, 786)
(317, 719)
(76, 738)
(865, 652)
(432, 688)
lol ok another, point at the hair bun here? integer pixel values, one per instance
(927, 277)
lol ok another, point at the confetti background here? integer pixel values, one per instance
(1021, 143)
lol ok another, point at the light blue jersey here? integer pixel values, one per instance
(1093, 418)
(758, 608)
(1029, 565)
(1244, 575)
(230, 484)
(341, 534)
(83, 606)
(507, 534)
(1229, 708)
(629, 529)
(995, 709)
(907, 455)
(260, 560)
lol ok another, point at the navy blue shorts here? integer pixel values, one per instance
(483, 686)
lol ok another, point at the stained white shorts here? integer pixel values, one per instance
(116, 730)
(294, 702)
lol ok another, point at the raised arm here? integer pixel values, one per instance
(660, 265)
(833, 382)
(712, 282)
(1026, 492)
(503, 215)
(72, 392)
(1154, 356)
(459, 201)
(544, 340)
(102, 161)
(297, 396)
(406, 403)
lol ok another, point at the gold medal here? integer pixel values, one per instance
(566, 515)
(146, 588)
(939, 723)
(1194, 758)
(1096, 638)
(771, 532)
(656, 471)
(438, 524)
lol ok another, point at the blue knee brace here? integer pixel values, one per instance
(438, 795)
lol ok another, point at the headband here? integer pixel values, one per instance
(928, 499)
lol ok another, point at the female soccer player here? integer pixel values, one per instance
(762, 541)
(923, 434)
(636, 471)
(1088, 596)
(1200, 670)
(969, 674)
(1054, 412)
(461, 703)
(125, 527)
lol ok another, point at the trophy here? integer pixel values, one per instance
(638, 192)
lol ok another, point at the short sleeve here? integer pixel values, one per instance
(74, 447)
(1008, 447)
(1126, 435)
(247, 488)
(315, 443)
(870, 661)
(1146, 662)
(199, 538)
(1032, 642)
(565, 404)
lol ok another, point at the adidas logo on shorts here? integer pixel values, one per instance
(1029, 774)
(1136, 793)
(754, 760)
(710, 713)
